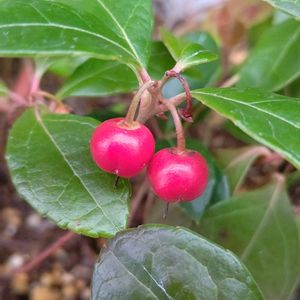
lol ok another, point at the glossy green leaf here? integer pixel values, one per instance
(105, 29)
(187, 54)
(293, 90)
(237, 162)
(162, 262)
(238, 133)
(99, 78)
(271, 119)
(217, 188)
(51, 167)
(63, 66)
(199, 76)
(259, 227)
(160, 60)
(274, 61)
(204, 75)
(291, 7)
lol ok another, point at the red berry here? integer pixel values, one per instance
(178, 176)
(122, 149)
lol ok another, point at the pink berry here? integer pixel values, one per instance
(122, 149)
(178, 176)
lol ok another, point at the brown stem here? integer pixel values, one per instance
(178, 125)
(176, 100)
(136, 100)
(136, 202)
(144, 75)
(185, 113)
(46, 253)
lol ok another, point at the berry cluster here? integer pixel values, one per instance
(125, 148)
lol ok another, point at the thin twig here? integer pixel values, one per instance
(46, 253)
(136, 202)
(178, 125)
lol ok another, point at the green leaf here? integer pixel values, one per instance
(162, 262)
(237, 162)
(274, 61)
(99, 78)
(105, 29)
(259, 227)
(291, 7)
(186, 54)
(199, 76)
(204, 75)
(51, 166)
(238, 133)
(160, 60)
(293, 90)
(217, 188)
(3, 89)
(271, 119)
(61, 66)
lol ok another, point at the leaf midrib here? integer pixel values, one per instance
(273, 201)
(248, 105)
(65, 27)
(45, 129)
(284, 50)
(122, 31)
(131, 274)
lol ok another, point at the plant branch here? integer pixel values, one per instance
(46, 253)
(136, 202)
(186, 113)
(178, 125)
(136, 100)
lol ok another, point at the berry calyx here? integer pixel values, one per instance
(121, 148)
(177, 175)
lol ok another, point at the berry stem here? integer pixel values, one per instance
(178, 125)
(136, 100)
(185, 113)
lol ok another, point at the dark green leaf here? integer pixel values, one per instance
(274, 61)
(293, 90)
(237, 162)
(160, 60)
(271, 119)
(186, 54)
(291, 7)
(162, 262)
(200, 76)
(51, 166)
(113, 30)
(259, 227)
(99, 78)
(238, 133)
(64, 66)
